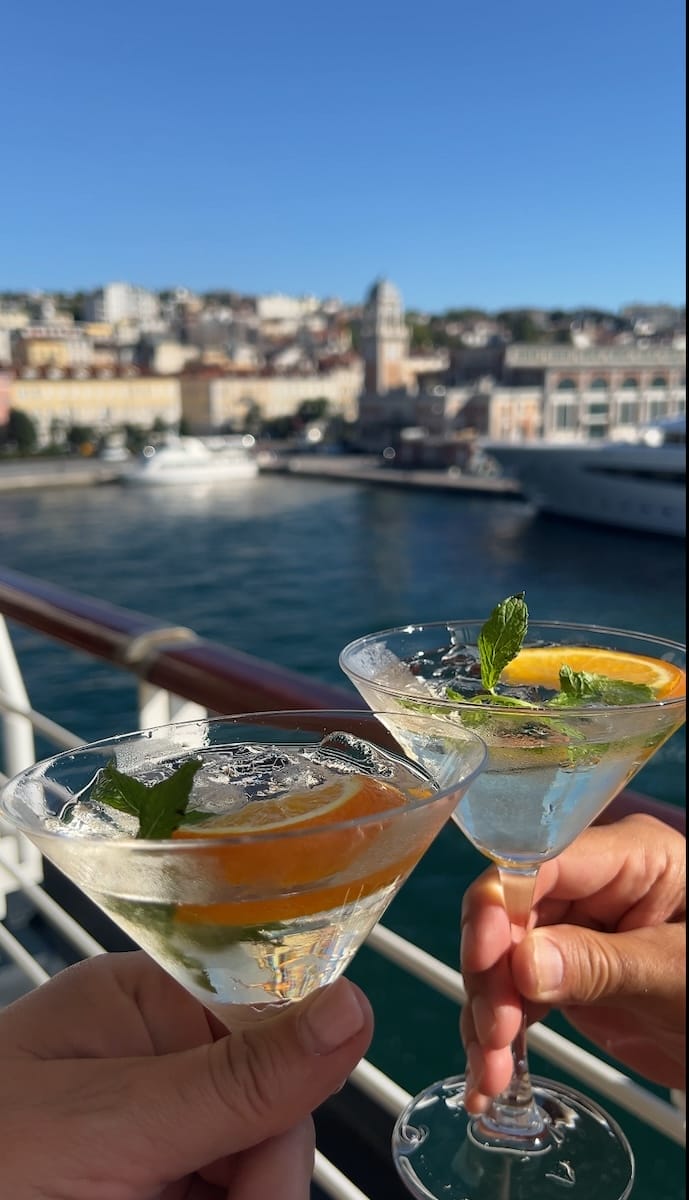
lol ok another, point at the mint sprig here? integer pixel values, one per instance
(577, 687)
(499, 642)
(160, 807)
(501, 638)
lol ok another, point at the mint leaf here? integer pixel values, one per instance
(576, 687)
(117, 790)
(160, 807)
(501, 638)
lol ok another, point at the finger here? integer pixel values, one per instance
(657, 1054)
(111, 1006)
(281, 1166)
(486, 932)
(244, 1088)
(496, 1006)
(632, 871)
(488, 1070)
(488, 1074)
(568, 964)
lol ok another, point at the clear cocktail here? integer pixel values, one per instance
(250, 856)
(569, 715)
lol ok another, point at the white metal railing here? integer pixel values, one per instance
(20, 870)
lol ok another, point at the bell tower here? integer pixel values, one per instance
(384, 340)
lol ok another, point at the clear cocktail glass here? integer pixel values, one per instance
(297, 831)
(549, 773)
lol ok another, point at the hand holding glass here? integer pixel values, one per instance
(550, 772)
(300, 828)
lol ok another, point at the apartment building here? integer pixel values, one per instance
(101, 400)
(212, 402)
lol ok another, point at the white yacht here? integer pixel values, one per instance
(637, 485)
(193, 460)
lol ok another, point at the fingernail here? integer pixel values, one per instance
(333, 1017)
(549, 967)
(484, 1018)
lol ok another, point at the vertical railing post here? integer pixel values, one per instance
(18, 748)
(18, 752)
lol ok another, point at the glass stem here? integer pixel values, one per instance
(514, 1121)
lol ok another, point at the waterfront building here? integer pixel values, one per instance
(509, 392)
(590, 392)
(212, 401)
(101, 400)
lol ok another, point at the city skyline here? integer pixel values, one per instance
(43, 293)
(498, 159)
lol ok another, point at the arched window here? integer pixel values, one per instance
(599, 383)
(659, 381)
(630, 382)
(566, 384)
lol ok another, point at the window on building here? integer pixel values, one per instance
(628, 412)
(659, 381)
(598, 410)
(657, 408)
(630, 382)
(565, 416)
(566, 384)
(599, 383)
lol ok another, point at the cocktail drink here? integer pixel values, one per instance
(569, 715)
(249, 855)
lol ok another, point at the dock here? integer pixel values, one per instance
(355, 468)
(22, 475)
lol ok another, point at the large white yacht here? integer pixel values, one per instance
(183, 460)
(638, 485)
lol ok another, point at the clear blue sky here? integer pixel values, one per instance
(477, 152)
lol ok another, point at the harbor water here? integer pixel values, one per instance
(290, 569)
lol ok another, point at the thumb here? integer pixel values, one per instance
(570, 964)
(203, 1104)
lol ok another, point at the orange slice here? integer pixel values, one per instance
(311, 806)
(292, 877)
(540, 666)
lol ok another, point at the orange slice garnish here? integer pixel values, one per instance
(292, 877)
(539, 666)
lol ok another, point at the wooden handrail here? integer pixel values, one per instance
(218, 678)
(212, 675)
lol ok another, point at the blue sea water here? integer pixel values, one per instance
(290, 570)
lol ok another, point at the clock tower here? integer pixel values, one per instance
(384, 340)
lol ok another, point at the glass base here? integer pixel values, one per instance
(440, 1151)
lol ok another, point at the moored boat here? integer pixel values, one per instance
(638, 485)
(192, 460)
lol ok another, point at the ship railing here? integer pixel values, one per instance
(180, 676)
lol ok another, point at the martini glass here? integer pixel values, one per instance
(549, 773)
(300, 827)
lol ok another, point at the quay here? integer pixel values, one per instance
(355, 468)
(22, 474)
